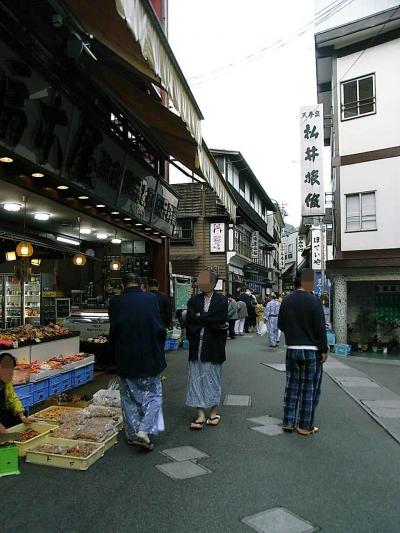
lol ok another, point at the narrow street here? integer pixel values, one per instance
(345, 479)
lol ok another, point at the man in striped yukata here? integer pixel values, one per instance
(271, 315)
(302, 320)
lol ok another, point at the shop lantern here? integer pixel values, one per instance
(24, 248)
(115, 265)
(11, 256)
(79, 259)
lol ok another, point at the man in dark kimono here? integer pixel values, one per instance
(137, 337)
(206, 326)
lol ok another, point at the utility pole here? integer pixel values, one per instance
(322, 227)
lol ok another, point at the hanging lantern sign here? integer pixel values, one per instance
(79, 259)
(24, 249)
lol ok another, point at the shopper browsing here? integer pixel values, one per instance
(11, 409)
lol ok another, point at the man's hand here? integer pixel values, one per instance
(324, 357)
(2, 428)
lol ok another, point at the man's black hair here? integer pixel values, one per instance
(6, 354)
(153, 283)
(130, 279)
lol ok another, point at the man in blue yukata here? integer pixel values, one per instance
(271, 314)
(137, 337)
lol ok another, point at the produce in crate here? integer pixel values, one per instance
(102, 411)
(28, 434)
(107, 397)
(80, 450)
(53, 413)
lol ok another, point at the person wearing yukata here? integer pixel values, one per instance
(11, 409)
(301, 318)
(271, 315)
(206, 330)
(137, 338)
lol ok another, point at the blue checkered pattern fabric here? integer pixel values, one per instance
(303, 387)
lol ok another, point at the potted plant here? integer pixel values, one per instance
(365, 326)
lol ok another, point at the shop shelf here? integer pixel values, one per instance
(42, 428)
(65, 461)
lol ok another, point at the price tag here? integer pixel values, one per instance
(15, 344)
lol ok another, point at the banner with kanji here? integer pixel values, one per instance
(311, 158)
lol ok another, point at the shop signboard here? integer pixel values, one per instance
(255, 244)
(311, 158)
(182, 295)
(43, 126)
(282, 261)
(301, 244)
(217, 237)
(316, 256)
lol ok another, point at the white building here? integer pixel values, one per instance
(358, 78)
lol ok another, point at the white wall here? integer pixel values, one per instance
(381, 130)
(384, 177)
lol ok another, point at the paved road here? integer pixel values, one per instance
(345, 479)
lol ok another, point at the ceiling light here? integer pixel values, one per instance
(12, 207)
(37, 175)
(42, 216)
(156, 232)
(147, 229)
(63, 187)
(100, 205)
(86, 231)
(6, 159)
(36, 262)
(127, 218)
(102, 236)
(68, 241)
(163, 236)
(116, 241)
(11, 256)
(138, 224)
(83, 197)
(87, 207)
(115, 212)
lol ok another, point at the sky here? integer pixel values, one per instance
(253, 105)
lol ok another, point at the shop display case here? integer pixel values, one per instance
(88, 323)
(31, 301)
(63, 309)
(12, 301)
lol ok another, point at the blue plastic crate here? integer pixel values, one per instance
(25, 394)
(342, 350)
(66, 381)
(331, 337)
(185, 344)
(88, 374)
(40, 391)
(167, 345)
(174, 344)
(78, 377)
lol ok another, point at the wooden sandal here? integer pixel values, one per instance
(288, 429)
(197, 425)
(210, 420)
(307, 432)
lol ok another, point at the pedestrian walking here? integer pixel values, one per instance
(206, 327)
(164, 303)
(301, 318)
(241, 318)
(137, 337)
(247, 298)
(232, 315)
(259, 313)
(271, 315)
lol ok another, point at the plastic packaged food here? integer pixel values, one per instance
(107, 397)
(102, 411)
(96, 429)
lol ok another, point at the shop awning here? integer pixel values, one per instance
(131, 30)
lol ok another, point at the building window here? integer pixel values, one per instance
(183, 230)
(221, 164)
(358, 97)
(263, 211)
(252, 197)
(290, 251)
(242, 184)
(361, 211)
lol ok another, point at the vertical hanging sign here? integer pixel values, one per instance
(316, 249)
(255, 244)
(311, 157)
